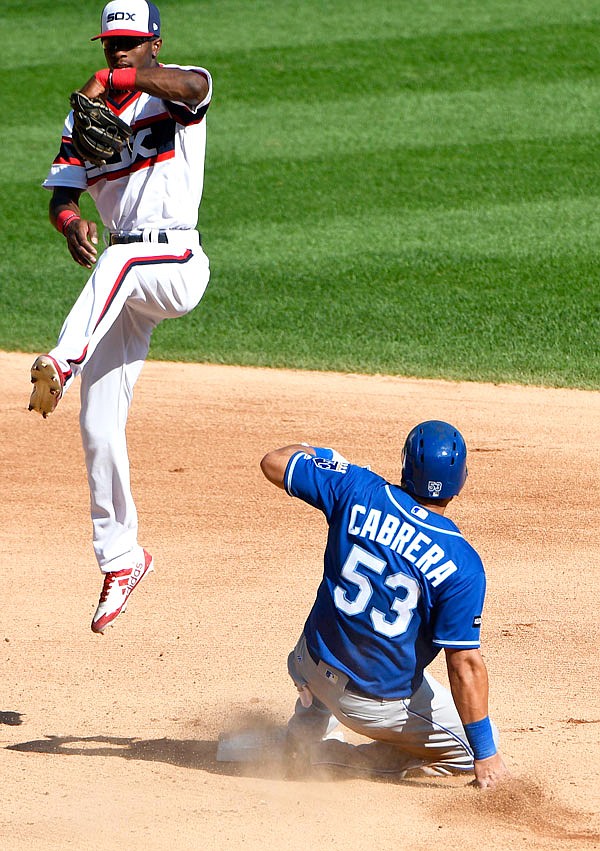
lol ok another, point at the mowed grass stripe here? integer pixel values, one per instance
(300, 131)
(400, 180)
(441, 62)
(236, 25)
(542, 228)
(196, 31)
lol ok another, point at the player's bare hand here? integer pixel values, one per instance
(489, 772)
(82, 238)
(95, 88)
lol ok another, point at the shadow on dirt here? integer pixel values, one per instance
(196, 754)
(13, 719)
(267, 758)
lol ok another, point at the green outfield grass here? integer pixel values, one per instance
(389, 189)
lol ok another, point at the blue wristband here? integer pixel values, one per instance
(481, 738)
(320, 452)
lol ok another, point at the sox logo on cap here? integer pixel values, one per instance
(129, 18)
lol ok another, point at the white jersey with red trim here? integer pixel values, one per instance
(156, 182)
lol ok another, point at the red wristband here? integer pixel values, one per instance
(122, 79)
(64, 218)
(102, 77)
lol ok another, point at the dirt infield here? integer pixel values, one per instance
(110, 741)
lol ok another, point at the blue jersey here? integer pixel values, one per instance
(399, 582)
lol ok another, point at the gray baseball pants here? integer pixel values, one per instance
(421, 730)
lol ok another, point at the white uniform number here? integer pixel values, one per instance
(403, 606)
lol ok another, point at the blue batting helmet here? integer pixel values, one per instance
(434, 461)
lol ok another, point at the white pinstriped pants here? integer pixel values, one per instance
(105, 339)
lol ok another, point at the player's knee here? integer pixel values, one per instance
(98, 440)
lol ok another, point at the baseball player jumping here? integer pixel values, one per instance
(153, 267)
(399, 584)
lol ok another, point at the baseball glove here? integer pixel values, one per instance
(98, 134)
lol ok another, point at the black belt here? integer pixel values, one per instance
(350, 685)
(115, 239)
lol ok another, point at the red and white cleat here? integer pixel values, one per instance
(116, 589)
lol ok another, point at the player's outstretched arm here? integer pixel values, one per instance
(468, 678)
(81, 235)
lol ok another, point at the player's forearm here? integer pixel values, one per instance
(63, 200)
(172, 84)
(81, 235)
(469, 684)
(468, 679)
(63, 208)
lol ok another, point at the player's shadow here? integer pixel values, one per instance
(197, 754)
(12, 719)
(273, 763)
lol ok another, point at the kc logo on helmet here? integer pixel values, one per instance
(120, 16)
(434, 488)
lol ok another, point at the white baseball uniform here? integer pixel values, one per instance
(150, 194)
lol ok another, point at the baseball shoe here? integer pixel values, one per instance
(300, 755)
(48, 382)
(116, 589)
